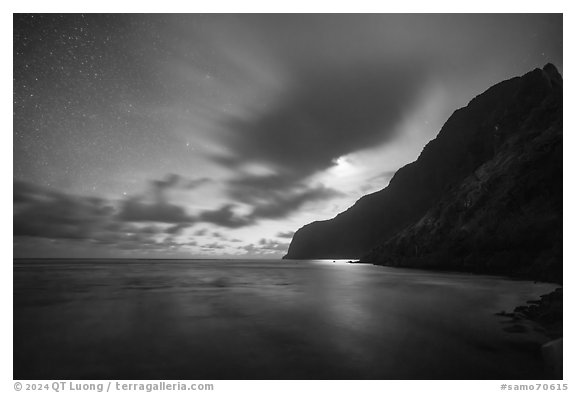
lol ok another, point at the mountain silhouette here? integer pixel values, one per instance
(484, 196)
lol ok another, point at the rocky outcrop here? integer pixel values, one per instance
(485, 195)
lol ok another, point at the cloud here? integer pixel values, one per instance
(144, 222)
(225, 217)
(138, 243)
(250, 248)
(177, 229)
(285, 235)
(269, 197)
(169, 181)
(150, 222)
(279, 206)
(213, 246)
(383, 176)
(175, 181)
(377, 181)
(267, 205)
(195, 183)
(275, 196)
(136, 210)
(45, 213)
(249, 188)
(326, 113)
(154, 207)
(200, 232)
(266, 246)
(40, 212)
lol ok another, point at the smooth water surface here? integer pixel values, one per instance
(218, 319)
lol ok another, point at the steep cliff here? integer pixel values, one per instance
(485, 195)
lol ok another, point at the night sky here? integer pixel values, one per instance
(190, 135)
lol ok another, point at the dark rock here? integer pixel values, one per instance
(546, 313)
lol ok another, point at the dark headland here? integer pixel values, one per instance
(485, 196)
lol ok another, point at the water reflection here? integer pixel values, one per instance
(264, 319)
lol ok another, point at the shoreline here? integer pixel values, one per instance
(546, 317)
(516, 277)
(546, 312)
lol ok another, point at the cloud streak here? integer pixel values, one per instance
(326, 115)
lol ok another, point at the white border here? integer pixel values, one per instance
(258, 6)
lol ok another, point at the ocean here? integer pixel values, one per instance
(267, 319)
